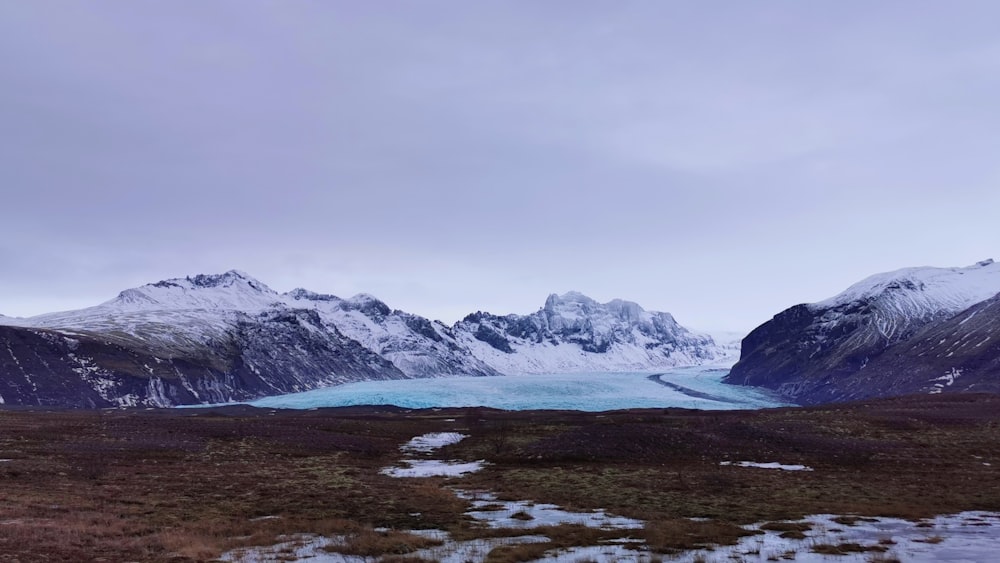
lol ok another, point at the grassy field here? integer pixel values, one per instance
(181, 485)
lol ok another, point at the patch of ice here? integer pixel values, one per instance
(292, 548)
(604, 553)
(526, 514)
(768, 465)
(433, 468)
(430, 442)
(472, 550)
(311, 548)
(965, 537)
(427, 443)
(958, 538)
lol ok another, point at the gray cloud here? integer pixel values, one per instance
(720, 160)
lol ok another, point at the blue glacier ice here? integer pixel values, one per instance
(691, 388)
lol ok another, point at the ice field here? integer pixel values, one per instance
(691, 388)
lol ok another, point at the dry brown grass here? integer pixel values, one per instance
(516, 553)
(560, 537)
(665, 536)
(852, 520)
(522, 515)
(845, 548)
(188, 485)
(787, 526)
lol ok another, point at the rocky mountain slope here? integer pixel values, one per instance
(882, 336)
(215, 338)
(959, 354)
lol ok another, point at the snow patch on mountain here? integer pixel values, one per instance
(200, 314)
(729, 343)
(921, 292)
(415, 345)
(12, 321)
(231, 291)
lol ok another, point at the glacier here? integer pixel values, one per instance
(690, 388)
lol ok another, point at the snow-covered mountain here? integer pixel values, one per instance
(572, 332)
(10, 321)
(212, 338)
(837, 349)
(728, 342)
(416, 346)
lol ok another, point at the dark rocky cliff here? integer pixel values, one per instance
(814, 354)
(276, 353)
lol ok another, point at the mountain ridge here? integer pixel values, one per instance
(235, 335)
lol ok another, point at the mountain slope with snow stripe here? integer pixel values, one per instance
(810, 353)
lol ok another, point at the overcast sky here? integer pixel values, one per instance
(718, 160)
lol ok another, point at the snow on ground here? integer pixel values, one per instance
(473, 550)
(960, 538)
(967, 537)
(433, 468)
(292, 548)
(430, 442)
(587, 392)
(526, 514)
(427, 443)
(964, 537)
(768, 465)
(312, 549)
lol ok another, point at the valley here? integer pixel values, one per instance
(344, 431)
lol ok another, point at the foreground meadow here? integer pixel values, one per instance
(187, 485)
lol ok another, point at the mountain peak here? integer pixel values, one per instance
(362, 298)
(300, 294)
(227, 279)
(935, 288)
(232, 290)
(570, 297)
(367, 304)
